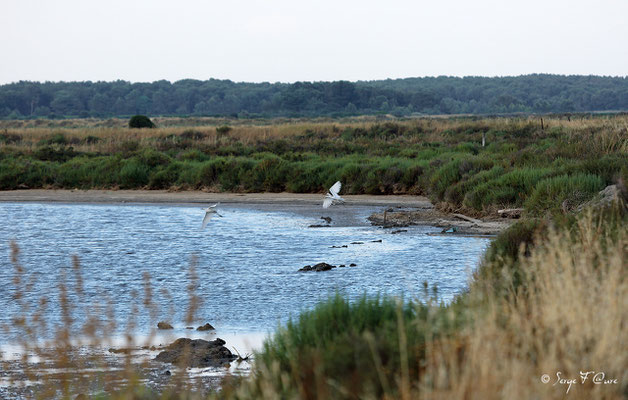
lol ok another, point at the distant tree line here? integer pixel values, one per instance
(539, 93)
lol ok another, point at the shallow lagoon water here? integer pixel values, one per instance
(246, 262)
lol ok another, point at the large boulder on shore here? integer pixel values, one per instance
(197, 353)
(606, 197)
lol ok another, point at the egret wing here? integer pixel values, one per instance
(334, 190)
(327, 202)
(208, 216)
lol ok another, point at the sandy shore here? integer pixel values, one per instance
(198, 197)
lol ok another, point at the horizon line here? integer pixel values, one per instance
(324, 81)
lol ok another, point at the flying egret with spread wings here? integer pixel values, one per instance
(209, 213)
(332, 196)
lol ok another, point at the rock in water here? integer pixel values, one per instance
(322, 267)
(164, 325)
(317, 267)
(206, 327)
(196, 353)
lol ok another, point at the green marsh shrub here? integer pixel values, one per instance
(10, 138)
(166, 177)
(56, 138)
(234, 169)
(550, 193)
(211, 170)
(362, 344)
(133, 174)
(192, 155)
(505, 189)
(90, 172)
(152, 158)
(20, 172)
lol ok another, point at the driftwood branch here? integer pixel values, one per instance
(465, 218)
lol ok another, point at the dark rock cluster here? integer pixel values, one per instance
(322, 267)
(196, 353)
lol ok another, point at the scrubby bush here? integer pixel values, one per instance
(91, 139)
(454, 171)
(552, 193)
(25, 173)
(362, 344)
(165, 177)
(223, 130)
(54, 153)
(211, 170)
(10, 138)
(191, 134)
(274, 172)
(133, 174)
(504, 189)
(152, 158)
(140, 121)
(502, 257)
(193, 155)
(56, 138)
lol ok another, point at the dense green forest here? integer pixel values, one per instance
(539, 93)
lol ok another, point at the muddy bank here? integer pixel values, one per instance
(452, 224)
(403, 210)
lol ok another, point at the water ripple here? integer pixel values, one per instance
(246, 261)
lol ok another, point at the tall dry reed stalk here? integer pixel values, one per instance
(571, 318)
(611, 131)
(67, 358)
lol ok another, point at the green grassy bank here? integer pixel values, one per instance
(523, 163)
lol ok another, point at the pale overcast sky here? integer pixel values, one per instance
(290, 40)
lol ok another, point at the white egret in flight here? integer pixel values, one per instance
(209, 213)
(332, 197)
